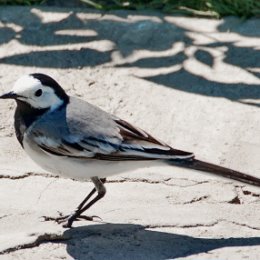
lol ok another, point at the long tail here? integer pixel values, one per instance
(218, 170)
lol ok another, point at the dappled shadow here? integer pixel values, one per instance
(129, 242)
(244, 57)
(206, 62)
(46, 34)
(249, 28)
(6, 34)
(182, 81)
(157, 62)
(63, 59)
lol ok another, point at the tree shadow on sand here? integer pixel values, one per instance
(152, 33)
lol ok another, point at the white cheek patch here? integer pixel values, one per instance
(47, 100)
(25, 85)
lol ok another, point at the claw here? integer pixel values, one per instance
(59, 219)
(47, 218)
(60, 213)
(90, 218)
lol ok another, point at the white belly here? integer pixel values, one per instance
(80, 169)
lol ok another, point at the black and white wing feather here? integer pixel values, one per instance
(81, 130)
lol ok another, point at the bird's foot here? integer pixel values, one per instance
(61, 218)
(68, 220)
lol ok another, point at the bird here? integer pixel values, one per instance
(70, 137)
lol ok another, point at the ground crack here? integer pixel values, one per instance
(212, 224)
(164, 182)
(246, 192)
(244, 225)
(26, 175)
(38, 241)
(5, 216)
(196, 200)
(183, 226)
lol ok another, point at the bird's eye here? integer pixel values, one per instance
(38, 93)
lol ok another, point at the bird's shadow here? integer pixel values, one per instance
(129, 241)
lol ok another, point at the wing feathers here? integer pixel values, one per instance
(132, 143)
(138, 140)
(131, 132)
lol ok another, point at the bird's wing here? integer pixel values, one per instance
(85, 131)
(136, 141)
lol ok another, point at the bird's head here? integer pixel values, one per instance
(39, 91)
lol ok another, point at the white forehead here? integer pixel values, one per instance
(26, 83)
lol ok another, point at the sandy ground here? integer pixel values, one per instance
(194, 83)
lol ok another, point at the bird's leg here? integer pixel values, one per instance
(101, 190)
(80, 206)
(63, 218)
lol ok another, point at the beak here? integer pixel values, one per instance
(9, 95)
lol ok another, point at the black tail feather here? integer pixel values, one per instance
(218, 170)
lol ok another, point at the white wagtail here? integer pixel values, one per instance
(72, 138)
